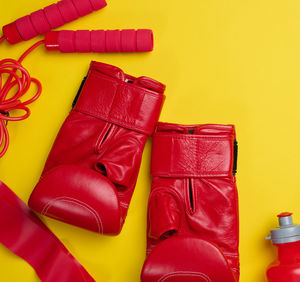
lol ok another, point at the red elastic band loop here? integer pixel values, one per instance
(23, 233)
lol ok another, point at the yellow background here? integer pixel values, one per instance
(224, 61)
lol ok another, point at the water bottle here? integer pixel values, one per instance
(286, 237)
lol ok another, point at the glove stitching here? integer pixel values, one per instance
(100, 116)
(196, 137)
(75, 201)
(180, 174)
(185, 273)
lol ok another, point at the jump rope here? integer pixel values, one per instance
(15, 80)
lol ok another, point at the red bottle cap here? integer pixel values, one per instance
(284, 214)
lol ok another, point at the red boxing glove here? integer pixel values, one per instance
(193, 206)
(91, 172)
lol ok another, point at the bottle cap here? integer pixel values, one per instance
(287, 232)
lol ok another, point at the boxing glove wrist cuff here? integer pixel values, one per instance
(196, 155)
(111, 95)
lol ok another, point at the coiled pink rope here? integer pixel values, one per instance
(15, 81)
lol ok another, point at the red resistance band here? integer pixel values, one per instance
(23, 233)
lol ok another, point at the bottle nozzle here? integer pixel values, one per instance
(285, 219)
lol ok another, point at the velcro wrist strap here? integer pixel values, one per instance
(116, 101)
(181, 155)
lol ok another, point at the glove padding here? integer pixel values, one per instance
(193, 209)
(91, 172)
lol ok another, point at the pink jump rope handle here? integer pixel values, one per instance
(50, 17)
(100, 41)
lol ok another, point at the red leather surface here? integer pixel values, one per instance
(90, 174)
(23, 233)
(193, 208)
(206, 156)
(99, 41)
(186, 258)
